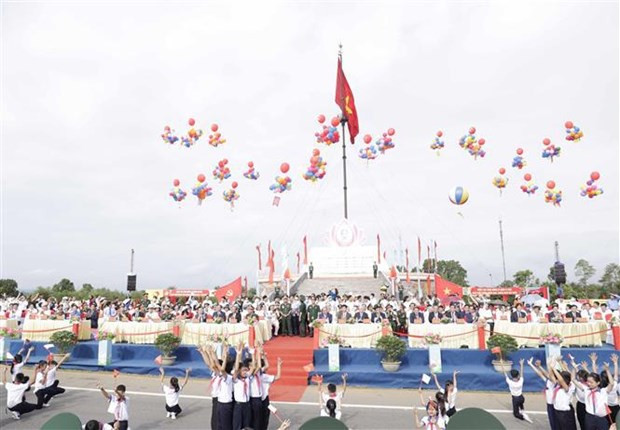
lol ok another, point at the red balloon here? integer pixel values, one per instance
(481, 142)
(595, 176)
(519, 151)
(250, 164)
(568, 124)
(367, 138)
(439, 133)
(335, 121)
(527, 177)
(502, 171)
(315, 151)
(321, 119)
(472, 130)
(550, 185)
(191, 122)
(201, 178)
(391, 131)
(221, 163)
(546, 141)
(214, 127)
(234, 184)
(284, 167)
(176, 182)
(225, 160)
(314, 160)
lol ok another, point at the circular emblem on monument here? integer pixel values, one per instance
(344, 234)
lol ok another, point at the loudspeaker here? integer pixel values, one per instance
(131, 282)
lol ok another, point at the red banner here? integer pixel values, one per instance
(344, 99)
(298, 258)
(419, 253)
(231, 291)
(445, 288)
(260, 265)
(185, 293)
(305, 251)
(495, 291)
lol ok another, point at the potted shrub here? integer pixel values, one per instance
(393, 350)
(63, 341)
(167, 343)
(502, 345)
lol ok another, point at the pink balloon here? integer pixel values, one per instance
(367, 138)
(472, 130)
(527, 177)
(250, 164)
(519, 151)
(568, 124)
(502, 171)
(335, 121)
(315, 151)
(234, 184)
(550, 185)
(439, 133)
(391, 131)
(321, 119)
(176, 182)
(546, 141)
(191, 122)
(284, 167)
(225, 160)
(214, 127)
(201, 178)
(595, 176)
(481, 142)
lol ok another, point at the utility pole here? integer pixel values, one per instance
(501, 238)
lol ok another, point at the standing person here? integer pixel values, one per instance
(295, 317)
(311, 270)
(242, 411)
(375, 269)
(225, 391)
(171, 392)
(449, 392)
(562, 396)
(303, 317)
(550, 387)
(596, 402)
(18, 364)
(313, 314)
(209, 357)
(15, 395)
(285, 312)
(266, 381)
(515, 384)
(612, 396)
(118, 406)
(432, 420)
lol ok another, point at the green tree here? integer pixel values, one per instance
(87, 288)
(610, 280)
(452, 271)
(551, 275)
(8, 287)
(428, 265)
(507, 283)
(584, 271)
(524, 278)
(64, 286)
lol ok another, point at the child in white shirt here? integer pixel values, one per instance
(515, 384)
(171, 392)
(118, 406)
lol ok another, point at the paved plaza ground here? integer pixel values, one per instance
(364, 408)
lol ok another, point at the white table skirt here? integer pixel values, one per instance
(354, 335)
(454, 335)
(587, 334)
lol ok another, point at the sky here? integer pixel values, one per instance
(88, 87)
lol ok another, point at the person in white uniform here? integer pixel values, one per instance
(171, 392)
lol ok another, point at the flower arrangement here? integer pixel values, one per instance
(614, 321)
(252, 319)
(105, 335)
(218, 320)
(333, 339)
(215, 338)
(8, 333)
(385, 323)
(551, 338)
(432, 339)
(445, 320)
(317, 324)
(351, 321)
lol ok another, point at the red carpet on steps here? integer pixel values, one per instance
(296, 352)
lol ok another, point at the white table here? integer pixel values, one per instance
(454, 335)
(41, 330)
(358, 335)
(136, 332)
(527, 334)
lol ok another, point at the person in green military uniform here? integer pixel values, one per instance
(401, 317)
(391, 316)
(287, 322)
(303, 317)
(313, 313)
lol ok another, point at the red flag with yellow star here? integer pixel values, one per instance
(344, 99)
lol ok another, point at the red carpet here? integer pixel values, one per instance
(296, 352)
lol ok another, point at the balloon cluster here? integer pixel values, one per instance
(530, 187)
(231, 195)
(215, 139)
(168, 136)
(573, 132)
(438, 144)
(316, 169)
(251, 173)
(368, 152)
(177, 193)
(500, 181)
(472, 144)
(550, 150)
(590, 189)
(192, 135)
(552, 195)
(519, 162)
(201, 190)
(329, 134)
(385, 142)
(283, 183)
(221, 171)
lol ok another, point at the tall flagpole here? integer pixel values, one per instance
(343, 121)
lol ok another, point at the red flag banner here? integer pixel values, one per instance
(271, 264)
(407, 263)
(305, 250)
(276, 201)
(378, 249)
(287, 274)
(344, 99)
(298, 259)
(231, 291)
(445, 288)
(428, 256)
(260, 265)
(419, 252)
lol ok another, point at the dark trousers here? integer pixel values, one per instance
(551, 415)
(565, 420)
(256, 403)
(242, 415)
(214, 413)
(41, 394)
(614, 411)
(581, 415)
(53, 390)
(517, 406)
(451, 411)
(594, 422)
(266, 414)
(224, 416)
(176, 409)
(295, 324)
(23, 407)
(303, 325)
(123, 425)
(285, 325)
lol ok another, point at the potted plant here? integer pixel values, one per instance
(393, 350)
(167, 343)
(553, 345)
(6, 334)
(104, 356)
(502, 345)
(63, 341)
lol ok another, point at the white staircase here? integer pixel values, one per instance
(345, 285)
